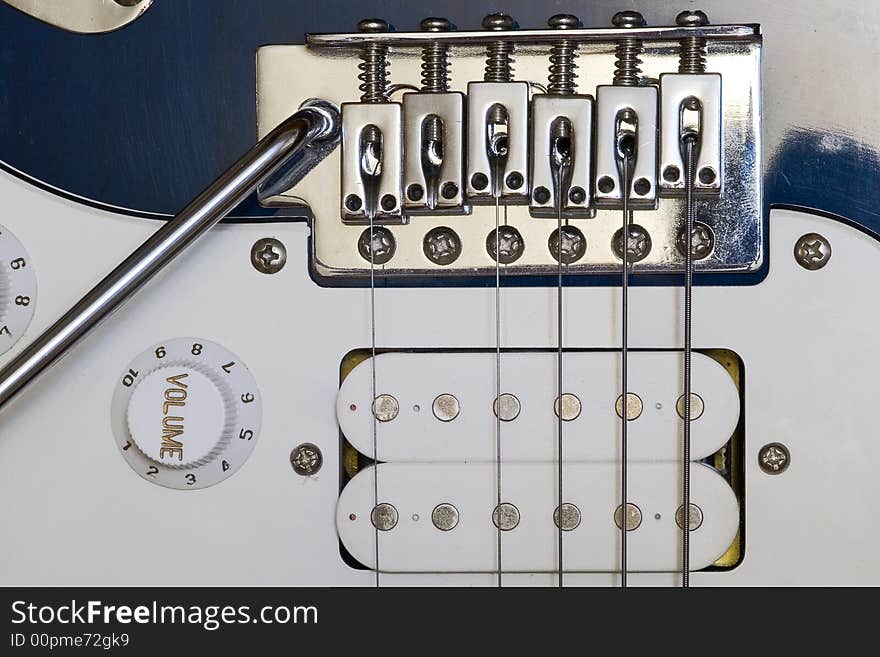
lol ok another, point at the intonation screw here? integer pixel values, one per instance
(499, 60)
(562, 56)
(627, 67)
(692, 58)
(435, 58)
(374, 63)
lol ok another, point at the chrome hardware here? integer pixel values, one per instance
(268, 255)
(812, 251)
(433, 123)
(306, 459)
(561, 110)
(690, 102)
(372, 151)
(774, 458)
(627, 98)
(316, 121)
(498, 124)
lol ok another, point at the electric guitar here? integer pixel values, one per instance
(496, 299)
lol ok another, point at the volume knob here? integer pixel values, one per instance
(181, 416)
(186, 413)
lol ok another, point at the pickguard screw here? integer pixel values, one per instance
(702, 241)
(442, 245)
(268, 255)
(306, 459)
(812, 251)
(381, 247)
(774, 458)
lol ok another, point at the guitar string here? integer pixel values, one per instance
(624, 354)
(690, 145)
(373, 389)
(498, 373)
(559, 381)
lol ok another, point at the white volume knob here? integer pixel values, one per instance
(181, 417)
(186, 413)
(18, 289)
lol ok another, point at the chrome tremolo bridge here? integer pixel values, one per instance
(479, 130)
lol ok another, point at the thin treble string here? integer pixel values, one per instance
(373, 390)
(559, 384)
(690, 145)
(498, 375)
(624, 348)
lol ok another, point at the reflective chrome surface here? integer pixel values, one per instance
(165, 245)
(85, 16)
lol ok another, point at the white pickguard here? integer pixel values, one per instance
(75, 513)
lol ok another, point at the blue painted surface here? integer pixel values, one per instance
(143, 118)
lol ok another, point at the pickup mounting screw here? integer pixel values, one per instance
(812, 251)
(306, 459)
(268, 255)
(774, 458)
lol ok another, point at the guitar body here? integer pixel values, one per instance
(103, 137)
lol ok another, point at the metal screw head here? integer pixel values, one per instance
(510, 407)
(564, 22)
(385, 408)
(774, 458)
(498, 22)
(445, 517)
(373, 25)
(505, 516)
(695, 518)
(435, 24)
(638, 243)
(446, 407)
(442, 245)
(570, 517)
(571, 407)
(573, 243)
(384, 517)
(812, 251)
(510, 244)
(382, 245)
(702, 241)
(634, 406)
(697, 406)
(692, 19)
(628, 19)
(268, 255)
(633, 517)
(306, 459)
